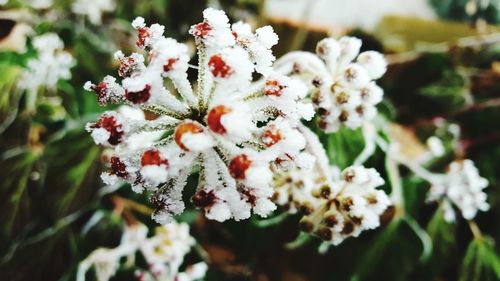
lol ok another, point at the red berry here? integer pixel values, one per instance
(110, 124)
(101, 90)
(204, 199)
(143, 34)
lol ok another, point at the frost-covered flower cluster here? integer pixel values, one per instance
(93, 9)
(228, 129)
(463, 188)
(349, 96)
(349, 207)
(335, 207)
(50, 65)
(296, 188)
(342, 78)
(164, 253)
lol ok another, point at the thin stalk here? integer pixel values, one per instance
(474, 228)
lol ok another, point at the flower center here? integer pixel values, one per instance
(214, 118)
(118, 167)
(273, 88)
(271, 137)
(201, 29)
(218, 67)
(139, 97)
(110, 124)
(239, 165)
(153, 157)
(170, 64)
(187, 127)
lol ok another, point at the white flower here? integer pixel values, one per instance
(51, 64)
(171, 56)
(147, 35)
(435, 146)
(40, 4)
(350, 206)
(107, 91)
(129, 65)
(333, 208)
(258, 45)
(93, 9)
(373, 62)
(463, 188)
(231, 67)
(228, 126)
(343, 90)
(214, 31)
(287, 95)
(164, 253)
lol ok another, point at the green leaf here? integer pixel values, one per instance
(397, 240)
(10, 96)
(481, 262)
(343, 146)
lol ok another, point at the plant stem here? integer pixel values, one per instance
(476, 232)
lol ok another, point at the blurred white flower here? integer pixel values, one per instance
(164, 253)
(93, 9)
(40, 4)
(463, 188)
(50, 65)
(435, 146)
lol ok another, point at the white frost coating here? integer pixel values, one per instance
(216, 128)
(197, 142)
